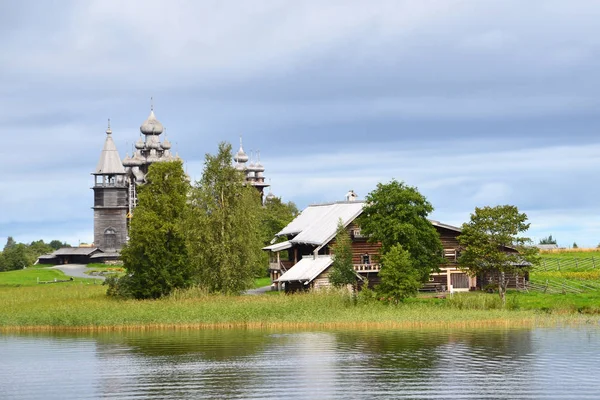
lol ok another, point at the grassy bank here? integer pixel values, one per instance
(85, 307)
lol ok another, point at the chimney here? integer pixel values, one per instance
(351, 196)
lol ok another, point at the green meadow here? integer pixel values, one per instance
(82, 304)
(31, 276)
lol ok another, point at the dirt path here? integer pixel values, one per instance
(75, 270)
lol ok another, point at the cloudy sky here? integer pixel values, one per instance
(474, 102)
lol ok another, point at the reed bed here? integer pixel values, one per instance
(80, 307)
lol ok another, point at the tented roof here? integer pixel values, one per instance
(317, 224)
(109, 162)
(307, 269)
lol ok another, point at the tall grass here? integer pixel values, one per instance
(86, 307)
(481, 301)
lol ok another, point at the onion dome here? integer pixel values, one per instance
(166, 144)
(128, 161)
(258, 167)
(151, 125)
(251, 171)
(240, 167)
(177, 158)
(270, 196)
(240, 157)
(139, 144)
(137, 159)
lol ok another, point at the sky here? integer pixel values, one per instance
(475, 103)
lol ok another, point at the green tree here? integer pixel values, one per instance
(493, 244)
(275, 216)
(575, 245)
(397, 214)
(223, 226)
(342, 270)
(156, 258)
(17, 256)
(57, 244)
(399, 278)
(548, 240)
(38, 247)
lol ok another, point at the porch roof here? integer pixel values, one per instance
(306, 269)
(279, 246)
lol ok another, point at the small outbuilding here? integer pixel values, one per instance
(70, 255)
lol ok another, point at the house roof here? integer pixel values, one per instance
(546, 246)
(306, 269)
(107, 254)
(317, 224)
(75, 251)
(446, 226)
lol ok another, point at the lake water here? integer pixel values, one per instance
(555, 363)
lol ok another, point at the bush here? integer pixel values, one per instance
(118, 287)
(366, 295)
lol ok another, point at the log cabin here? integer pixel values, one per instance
(301, 252)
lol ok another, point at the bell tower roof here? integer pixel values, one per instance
(110, 162)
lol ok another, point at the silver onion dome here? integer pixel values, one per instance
(151, 125)
(127, 161)
(240, 157)
(139, 144)
(258, 167)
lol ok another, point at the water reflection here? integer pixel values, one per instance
(490, 363)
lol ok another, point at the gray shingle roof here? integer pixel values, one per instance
(75, 251)
(110, 161)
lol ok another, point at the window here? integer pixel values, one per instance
(365, 259)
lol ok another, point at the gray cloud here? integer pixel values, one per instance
(473, 102)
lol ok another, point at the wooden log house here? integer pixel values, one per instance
(302, 257)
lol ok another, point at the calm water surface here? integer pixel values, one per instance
(553, 363)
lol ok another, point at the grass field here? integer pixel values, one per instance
(261, 282)
(86, 307)
(571, 253)
(568, 271)
(83, 305)
(30, 276)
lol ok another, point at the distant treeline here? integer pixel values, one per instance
(20, 255)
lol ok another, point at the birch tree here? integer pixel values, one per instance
(223, 226)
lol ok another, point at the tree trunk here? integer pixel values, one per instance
(502, 289)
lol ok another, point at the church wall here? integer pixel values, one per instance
(105, 218)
